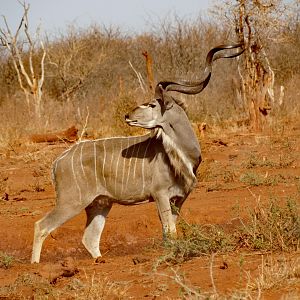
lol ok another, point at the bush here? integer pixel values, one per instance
(196, 240)
(272, 227)
(85, 67)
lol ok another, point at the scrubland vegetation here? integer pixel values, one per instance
(91, 77)
(96, 74)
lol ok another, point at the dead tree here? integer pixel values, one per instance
(20, 47)
(258, 24)
(149, 64)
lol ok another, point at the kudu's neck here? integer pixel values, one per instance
(181, 145)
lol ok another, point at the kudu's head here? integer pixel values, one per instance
(155, 113)
(152, 114)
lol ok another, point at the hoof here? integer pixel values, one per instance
(99, 260)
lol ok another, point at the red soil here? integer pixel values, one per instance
(132, 235)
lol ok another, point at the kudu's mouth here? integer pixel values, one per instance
(130, 121)
(146, 125)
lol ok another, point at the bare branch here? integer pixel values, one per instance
(41, 80)
(139, 77)
(29, 81)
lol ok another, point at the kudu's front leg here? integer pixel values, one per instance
(166, 216)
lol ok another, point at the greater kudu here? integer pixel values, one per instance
(159, 166)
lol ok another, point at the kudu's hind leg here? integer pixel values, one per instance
(46, 225)
(96, 214)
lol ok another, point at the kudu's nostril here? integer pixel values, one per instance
(126, 116)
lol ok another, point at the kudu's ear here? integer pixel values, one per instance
(161, 94)
(168, 101)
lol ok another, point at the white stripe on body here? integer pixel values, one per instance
(73, 171)
(123, 168)
(65, 153)
(117, 169)
(111, 164)
(95, 160)
(143, 166)
(135, 163)
(81, 161)
(130, 163)
(103, 165)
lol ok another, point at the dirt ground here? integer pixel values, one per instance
(131, 241)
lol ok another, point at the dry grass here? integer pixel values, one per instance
(95, 287)
(283, 161)
(9, 138)
(273, 274)
(89, 287)
(26, 284)
(276, 272)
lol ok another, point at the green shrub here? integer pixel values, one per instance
(272, 227)
(6, 261)
(196, 240)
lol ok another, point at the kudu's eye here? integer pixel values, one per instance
(152, 105)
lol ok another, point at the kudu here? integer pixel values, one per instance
(159, 166)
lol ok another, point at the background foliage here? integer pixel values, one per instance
(88, 73)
